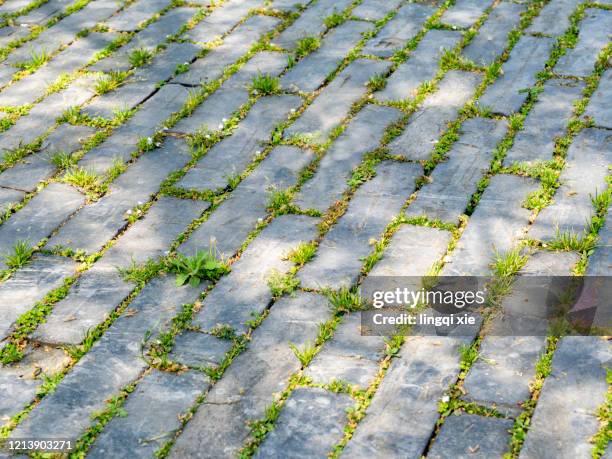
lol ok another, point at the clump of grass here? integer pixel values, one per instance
(307, 45)
(509, 263)
(110, 81)
(345, 300)
(265, 84)
(10, 354)
(63, 160)
(303, 253)
(469, 354)
(376, 82)
(37, 59)
(306, 354)
(82, 178)
(140, 57)
(280, 200)
(22, 251)
(334, 20)
(192, 270)
(281, 284)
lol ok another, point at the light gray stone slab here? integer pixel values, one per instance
(553, 19)
(263, 63)
(249, 384)
(373, 10)
(403, 413)
(310, 22)
(45, 212)
(227, 228)
(10, 34)
(199, 350)
(44, 12)
(399, 30)
(29, 285)
(495, 226)
(340, 255)
(594, 36)
(421, 66)
(519, 74)
(565, 417)
(98, 222)
(129, 18)
(10, 197)
(472, 436)
(244, 293)
(464, 13)
(598, 108)
(233, 154)
(600, 263)
(154, 413)
(546, 121)
(335, 101)
(66, 138)
(220, 21)
(362, 135)
(310, 424)
(492, 37)
(113, 362)
(583, 177)
(310, 73)
(14, 6)
(427, 124)
(452, 182)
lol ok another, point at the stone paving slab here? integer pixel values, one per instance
(553, 20)
(464, 13)
(601, 98)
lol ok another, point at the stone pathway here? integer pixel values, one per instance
(311, 146)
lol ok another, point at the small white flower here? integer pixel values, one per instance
(445, 399)
(293, 110)
(221, 126)
(258, 152)
(140, 203)
(207, 136)
(259, 220)
(167, 252)
(224, 120)
(150, 140)
(185, 63)
(129, 212)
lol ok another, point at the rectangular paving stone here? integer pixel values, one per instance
(421, 66)
(553, 19)
(113, 362)
(492, 37)
(373, 10)
(362, 135)
(14, 6)
(154, 413)
(227, 228)
(44, 12)
(340, 255)
(594, 35)
(311, 423)
(29, 285)
(403, 413)
(546, 122)
(249, 384)
(335, 101)
(496, 225)
(233, 154)
(464, 13)
(129, 18)
(565, 417)
(396, 33)
(234, 46)
(519, 73)
(45, 212)
(470, 435)
(244, 292)
(451, 184)
(310, 23)
(600, 262)
(583, 177)
(143, 82)
(221, 21)
(10, 197)
(145, 123)
(431, 120)
(199, 350)
(98, 222)
(600, 101)
(310, 73)
(9, 34)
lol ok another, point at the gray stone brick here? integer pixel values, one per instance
(496, 225)
(10, 197)
(492, 37)
(565, 417)
(44, 12)
(236, 217)
(421, 66)
(135, 13)
(13, 7)
(220, 21)
(9, 34)
(464, 13)
(244, 293)
(472, 436)
(248, 386)
(600, 101)
(310, 424)
(154, 412)
(373, 10)
(340, 255)
(97, 223)
(310, 22)
(310, 73)
(398, 31)
(594, 36)
(403, 413)
(199, 350)
(113, 362)
(527, 58)
(232, 155)
(452, 182)
(286, 5)
(600, 262)
(362, 135)
(553, 20)
(66, 138)
(584, 177)
(431, 120)
(546, 121)
(29, 285)
(45, 212)
(334, 103)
